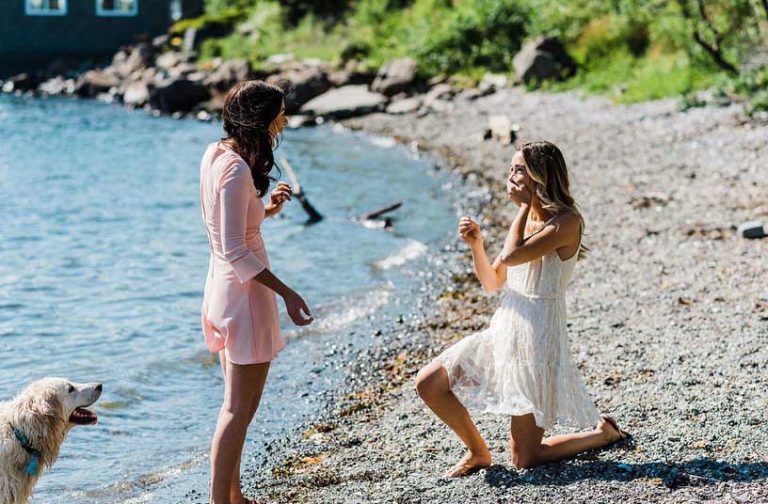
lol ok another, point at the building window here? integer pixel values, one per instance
(176, 10)
(117, 7)
(45, 7)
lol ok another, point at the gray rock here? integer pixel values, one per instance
(438, 99)
(753, 229)
(491, 81)
(136, 94)
(543, 59)
(405, 106)
(93, 82)
(227, 74)
(131, 59)
(179, 95)
(57, 86)
(301, 85)
(181, 70)
(20, 83)
(501, 129)
(170, 59)
(161, 41)
(344, 102)
(395, 76)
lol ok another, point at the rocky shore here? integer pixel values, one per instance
(668, 314)
(668, 317)
(164, 79)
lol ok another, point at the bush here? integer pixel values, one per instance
(479, 34)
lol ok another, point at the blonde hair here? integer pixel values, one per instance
(546, 166)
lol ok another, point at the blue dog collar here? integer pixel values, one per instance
(33, 466)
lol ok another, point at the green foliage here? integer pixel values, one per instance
(477, 34)
(629, 49)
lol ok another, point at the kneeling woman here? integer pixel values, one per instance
(521, 366)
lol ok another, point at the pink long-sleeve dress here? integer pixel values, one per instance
(239, 314)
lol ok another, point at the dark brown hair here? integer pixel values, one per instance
(249, 109)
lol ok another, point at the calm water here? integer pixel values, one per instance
(102, 264)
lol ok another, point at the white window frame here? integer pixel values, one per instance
(30, 10)
(117, 13)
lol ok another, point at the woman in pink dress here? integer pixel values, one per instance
(239, 312)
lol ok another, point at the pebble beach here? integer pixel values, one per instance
(668, 317)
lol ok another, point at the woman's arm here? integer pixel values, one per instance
(235, 197)
(518, 249)
(491, 276)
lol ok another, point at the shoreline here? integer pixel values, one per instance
(377, 443)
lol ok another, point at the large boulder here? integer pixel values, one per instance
(170, 59)
(227, 74)
(94, 82)
(405, 106)
(180, 95)
(301, 85)
(57, 86)
(439, 98)
(130, 59)
(20, 83)
(395, 76)
(136, 94)
(543, 59)
(347, 101)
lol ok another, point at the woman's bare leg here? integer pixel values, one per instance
(528, 448)
(243, 386)
(235, 493)
(433, 387)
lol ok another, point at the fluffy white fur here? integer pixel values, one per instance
(45, 412)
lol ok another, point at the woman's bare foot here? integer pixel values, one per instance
(611, 430)
(469, 464)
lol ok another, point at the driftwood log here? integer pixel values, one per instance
(378, 213)
(298, 192)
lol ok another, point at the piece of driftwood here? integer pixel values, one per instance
(378, 213)
(298, 193)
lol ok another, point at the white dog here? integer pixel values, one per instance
(33, 427)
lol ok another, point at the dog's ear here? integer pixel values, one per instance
(43, 402)
(40, 409)
(40, 415)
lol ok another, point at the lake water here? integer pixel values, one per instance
(103, 260)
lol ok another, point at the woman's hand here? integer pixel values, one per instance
(294, 304)
(519, 193)
(469, 231)
(278, 197)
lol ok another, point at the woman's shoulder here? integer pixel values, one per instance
(567, 220)
(228, 160)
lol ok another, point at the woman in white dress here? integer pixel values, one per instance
(521, 365)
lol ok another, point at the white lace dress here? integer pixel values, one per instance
(521, 363)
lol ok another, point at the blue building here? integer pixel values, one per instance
(36, 32)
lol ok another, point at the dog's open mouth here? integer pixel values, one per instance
(83, 416)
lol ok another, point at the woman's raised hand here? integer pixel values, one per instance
(469, 230)
(519, 193)
(278, 197)
(294, 304)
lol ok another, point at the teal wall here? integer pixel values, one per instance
(27, 42)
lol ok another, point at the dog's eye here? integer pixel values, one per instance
(70, 388)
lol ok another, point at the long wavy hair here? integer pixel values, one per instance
(249, 109)
(546, 166)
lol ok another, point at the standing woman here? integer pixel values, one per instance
(239, 312)
(521, 365)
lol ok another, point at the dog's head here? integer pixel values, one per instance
(42, 415)
(59, 400)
